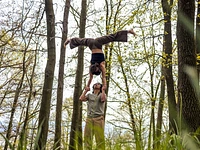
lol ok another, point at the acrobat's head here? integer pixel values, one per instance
(97, 86)
(95, 69)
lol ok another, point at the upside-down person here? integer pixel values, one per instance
(98, 60)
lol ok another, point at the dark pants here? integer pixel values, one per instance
(94, 127)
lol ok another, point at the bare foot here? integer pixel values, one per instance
(66, 42)
(132, 32)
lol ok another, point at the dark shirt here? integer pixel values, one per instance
(97, 58)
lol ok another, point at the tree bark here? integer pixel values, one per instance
(198, 37)
(167, 48)
(16, 97)
(108, 50)
(160, 110)
(58, 122)
(138, 140)
(49, 75)
(76, 125)
(187, 100)
(23, 134)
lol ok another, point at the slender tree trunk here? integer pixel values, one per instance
(198, 37)
(167, 48)
(58, 122)
(108, 50)
(188, 103)
(152, 127)
(17, 93)
(138, 140)
(152, 119)
(19, 147)
(160, 110)
(106, 54)
(76, 126)
(23, 134)
(49, 75)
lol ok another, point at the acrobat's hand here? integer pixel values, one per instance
(104, 88)
(87, 88)
(81, 98)
(66, 42)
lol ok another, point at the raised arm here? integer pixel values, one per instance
(87, 88)
(104, 87)
(103, 96)
(103, 70)
(83, 96)
(89, 82)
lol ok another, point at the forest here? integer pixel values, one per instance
(153, 99)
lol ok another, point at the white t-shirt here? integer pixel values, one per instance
(95, 107)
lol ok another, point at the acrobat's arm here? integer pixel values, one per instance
(103, 70)
(104, 87)
(87, 88)
(83, 96)
(89, 82)
(103, 96)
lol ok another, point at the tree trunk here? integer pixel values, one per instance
(160, 110)
(49, 75)
(167, 48)
(57, 139)
(76, 125)
(108, 50)
(17, 94)
(23, 134)
(138, 140)
(187, 100)
(198, 37)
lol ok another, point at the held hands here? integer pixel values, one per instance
(87, 88)
(104, 88)
(82, 97)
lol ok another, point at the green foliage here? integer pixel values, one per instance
(36, 141)
(179, 142)
(141, 58)
(9, 143)
(22, 142)
(167, 142)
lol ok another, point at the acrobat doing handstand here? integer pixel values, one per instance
(97, 59)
